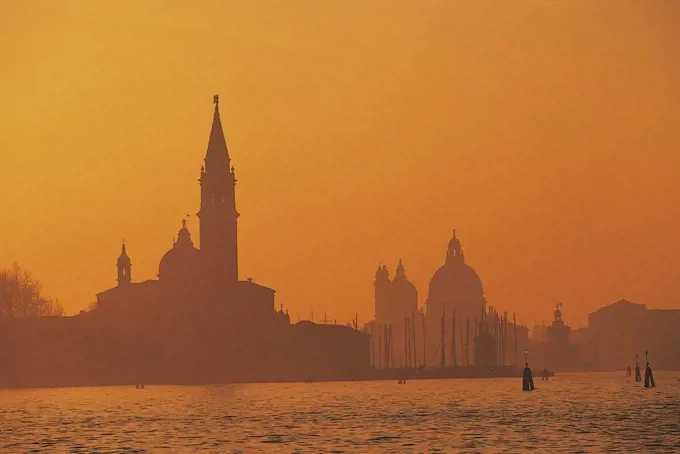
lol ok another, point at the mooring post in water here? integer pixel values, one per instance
(649, 377)
(139, 383)
(527, 379)
(638, 377)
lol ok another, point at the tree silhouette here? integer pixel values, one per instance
(20, 295)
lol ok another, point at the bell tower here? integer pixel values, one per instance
(124, 267)
(218, 215)
(382, 293)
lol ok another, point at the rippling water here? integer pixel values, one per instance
(570, 413)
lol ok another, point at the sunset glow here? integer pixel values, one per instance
(546, 133)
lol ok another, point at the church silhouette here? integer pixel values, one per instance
(207, 276)
(196, 323)
(455, 297)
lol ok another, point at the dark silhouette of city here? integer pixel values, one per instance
(198, 323)
(335, 226)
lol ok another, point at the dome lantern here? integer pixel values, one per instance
(455, 251)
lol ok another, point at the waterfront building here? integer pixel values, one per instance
(621, 330)
(197, 322)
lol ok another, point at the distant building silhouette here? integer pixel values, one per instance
(396, 307)
(427, 336)
(124, 266)
(560, 354)
(394, 299)
(455, 286)
(211, 273)
(552, 345)
(196, 323)
(619, 331)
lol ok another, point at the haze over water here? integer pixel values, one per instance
(361, 132)
(570, 413)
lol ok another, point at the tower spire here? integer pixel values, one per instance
(124, 265)
(217, 215)
(217, 155)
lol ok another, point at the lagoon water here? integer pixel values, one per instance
(598, 412)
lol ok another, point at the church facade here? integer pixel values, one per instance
(394, 332)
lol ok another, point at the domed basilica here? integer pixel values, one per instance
(209, 276)
(454, 288)
(198, 321)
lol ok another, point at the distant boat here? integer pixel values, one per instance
(542, 372)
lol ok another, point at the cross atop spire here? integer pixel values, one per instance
(123, 252)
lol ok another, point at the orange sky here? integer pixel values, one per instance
(547, 133)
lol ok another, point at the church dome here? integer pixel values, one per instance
(181, 263)
(402, 286)
(456, 284)
(456, 279)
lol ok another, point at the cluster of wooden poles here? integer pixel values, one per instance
(382, 356)
(491, 324)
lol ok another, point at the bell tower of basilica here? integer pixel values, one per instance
(218, 215)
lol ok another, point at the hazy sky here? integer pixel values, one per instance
(546, 132)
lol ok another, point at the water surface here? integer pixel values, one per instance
(569, 413)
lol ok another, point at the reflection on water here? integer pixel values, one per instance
(570, 413)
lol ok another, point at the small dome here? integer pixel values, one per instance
(402, 286)
(404, 290)
(181, 263)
